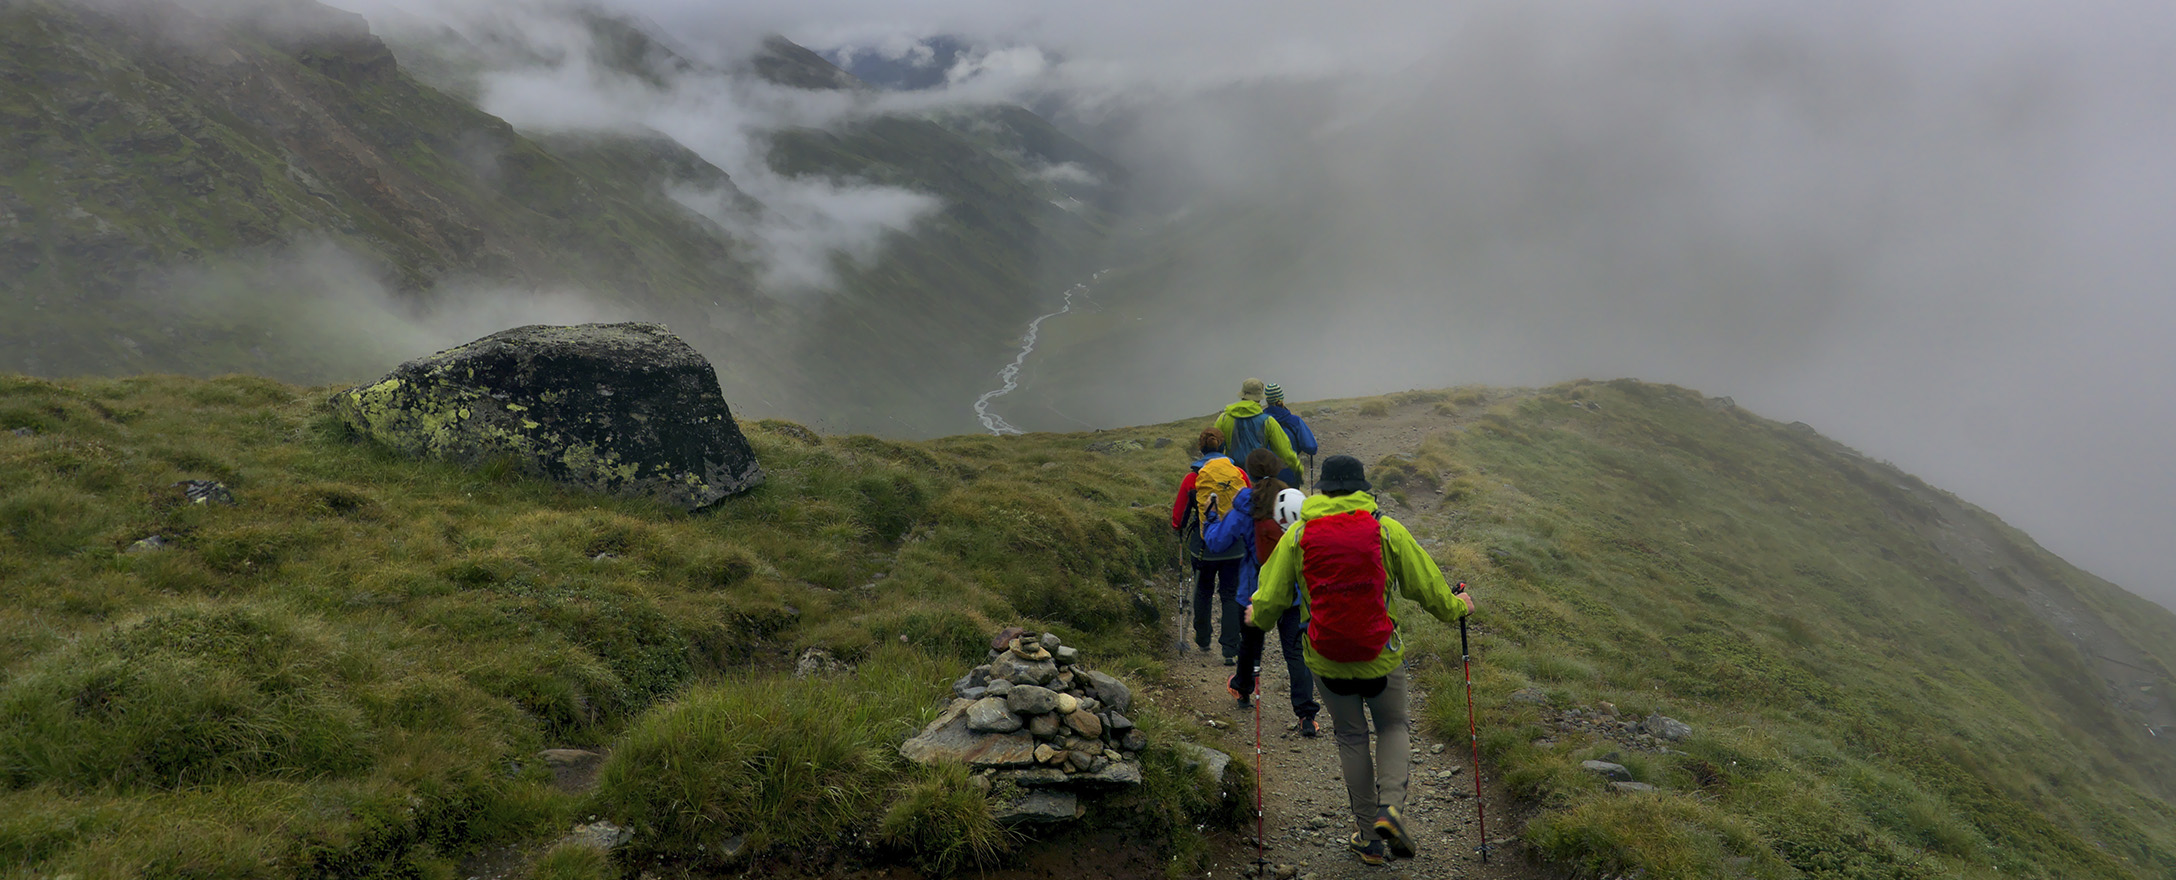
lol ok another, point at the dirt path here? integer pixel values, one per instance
(1305, 816)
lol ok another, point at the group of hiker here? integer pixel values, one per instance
(1320, 569)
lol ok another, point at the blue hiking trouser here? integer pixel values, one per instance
(1295, 662)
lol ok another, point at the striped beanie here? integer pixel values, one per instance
(1274, 393)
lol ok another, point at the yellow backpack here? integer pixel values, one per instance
(1217, 482)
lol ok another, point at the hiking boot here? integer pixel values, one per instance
(1308, 727)
(1390, 826)
(1231, 686)
(1371, 853)
(1229, 660)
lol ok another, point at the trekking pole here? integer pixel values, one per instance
(1465, 657)
(1186, 590)
(1186, 593)
(1261, 847)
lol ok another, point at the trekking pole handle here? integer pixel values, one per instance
(1460, 590)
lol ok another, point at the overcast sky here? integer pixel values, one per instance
(1939, 232)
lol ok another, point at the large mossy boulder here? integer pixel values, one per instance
(627, 409)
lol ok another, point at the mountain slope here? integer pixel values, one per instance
(147, 138)
(209, 194)
(1881, 680)
(945, 298)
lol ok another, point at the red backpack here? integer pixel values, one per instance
(1266, 535)
(1348, 598)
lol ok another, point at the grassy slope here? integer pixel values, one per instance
(1863, 708)
(358, 656)
(413, 631)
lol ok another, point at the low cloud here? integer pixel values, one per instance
(1071, 173)
(801, 226)
(542, 72)
(337, 316)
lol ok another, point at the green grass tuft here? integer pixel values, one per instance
(942, 821)
(782, 762)
(573, 861)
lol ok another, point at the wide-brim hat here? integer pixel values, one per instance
(1251, 390)
(1342, 473)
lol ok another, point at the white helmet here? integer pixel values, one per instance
(1287, 510)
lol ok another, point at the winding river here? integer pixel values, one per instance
(1010, 375)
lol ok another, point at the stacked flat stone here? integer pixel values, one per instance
(1035, 716)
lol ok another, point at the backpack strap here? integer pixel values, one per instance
(1389, 575)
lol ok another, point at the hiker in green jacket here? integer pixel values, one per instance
(1348, 561)
(1246, 427)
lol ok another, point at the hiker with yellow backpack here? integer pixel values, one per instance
(1208, 491)
(1347, 559)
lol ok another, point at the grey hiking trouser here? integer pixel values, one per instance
(1379, 782)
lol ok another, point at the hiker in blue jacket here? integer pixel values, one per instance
(1295, 431)
(1255, 525)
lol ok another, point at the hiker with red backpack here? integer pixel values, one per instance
(1348, 559)
(1259, 517)
(1210, 489)
(1246, 427)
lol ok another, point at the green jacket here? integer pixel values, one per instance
(1412, 575)
(1272, 433)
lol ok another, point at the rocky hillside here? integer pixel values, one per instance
(195, 193)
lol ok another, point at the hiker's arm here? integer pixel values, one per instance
(1303, 439)
(1273, 584)
(1231, 528)
(1183, 503)
(1282, 445)
(1417, 576)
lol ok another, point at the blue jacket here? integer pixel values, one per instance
(1295, 430)
(1237, 527)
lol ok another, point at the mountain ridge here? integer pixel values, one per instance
(1873, 689)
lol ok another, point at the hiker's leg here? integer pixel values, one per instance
(1348, 719)
(1250, 659)
(1204, 593)
(1295, 664)
(1235, 615)
(1393, 742)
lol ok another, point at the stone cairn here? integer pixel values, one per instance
(1038, 728)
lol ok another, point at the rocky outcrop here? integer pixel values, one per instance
(1607, 770)
(1576, 724)
(626, 409)
(1035, 718)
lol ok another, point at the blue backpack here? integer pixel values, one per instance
(1248, 434)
